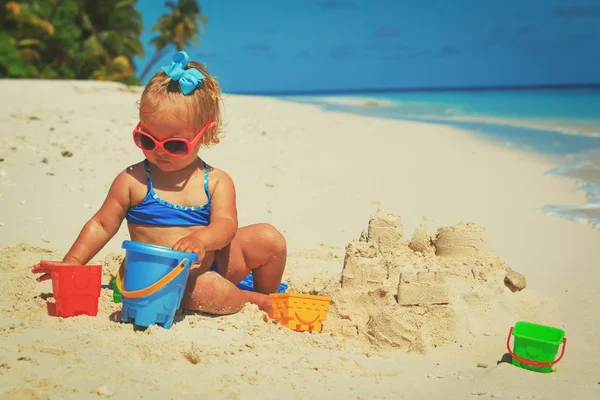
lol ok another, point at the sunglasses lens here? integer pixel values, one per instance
(178, 147)
(144, 142)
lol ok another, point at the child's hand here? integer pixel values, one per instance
(191, 244)
(44, 267)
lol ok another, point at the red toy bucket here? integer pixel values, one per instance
(76, 288)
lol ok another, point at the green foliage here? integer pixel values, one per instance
(82, 39)
(11, 62)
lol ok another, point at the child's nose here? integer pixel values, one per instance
(159, 151)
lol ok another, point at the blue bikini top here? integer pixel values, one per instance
(155, 211)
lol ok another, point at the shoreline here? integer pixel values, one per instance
(403, 109)
(357, 104)
(543, 139)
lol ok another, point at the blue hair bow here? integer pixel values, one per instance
(189, 79)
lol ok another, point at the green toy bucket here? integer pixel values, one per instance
(536, 346)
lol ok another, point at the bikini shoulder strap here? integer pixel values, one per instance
(148, 175)
(206, 181)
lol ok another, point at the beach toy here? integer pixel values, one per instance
(248, 284)
(536, 346)
(152, 283)
(76, 288)
(116, 292)
(300, 312)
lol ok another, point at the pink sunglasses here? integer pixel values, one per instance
(177, 147)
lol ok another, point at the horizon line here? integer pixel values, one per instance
(421, 89)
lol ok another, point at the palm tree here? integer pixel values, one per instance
(179, 27)
(79, 39)
(110, 29)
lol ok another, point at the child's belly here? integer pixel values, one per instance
(167, 236)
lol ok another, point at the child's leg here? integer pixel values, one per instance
(259, 248)
(210, 292)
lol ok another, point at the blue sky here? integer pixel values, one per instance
(269, 45)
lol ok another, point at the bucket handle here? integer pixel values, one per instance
(134, 294)
(532, 362)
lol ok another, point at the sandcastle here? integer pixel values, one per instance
(419, 293)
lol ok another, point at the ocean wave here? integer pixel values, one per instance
(586, 214)
(584, 170)
(564, 127)
(442, 111)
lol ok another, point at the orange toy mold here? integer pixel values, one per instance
(300, 312)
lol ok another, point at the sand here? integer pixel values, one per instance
(411, 228)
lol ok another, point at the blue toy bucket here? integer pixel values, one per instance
(152, 283)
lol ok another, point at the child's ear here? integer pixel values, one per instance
(212, 127)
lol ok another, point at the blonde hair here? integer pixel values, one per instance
(202, 104)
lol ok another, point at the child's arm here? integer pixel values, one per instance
(104, 224)
(98, 230)
(223, 220)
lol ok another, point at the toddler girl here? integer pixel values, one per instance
(173, 198)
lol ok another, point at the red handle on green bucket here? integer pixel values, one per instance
(531, 362)
(134, 294)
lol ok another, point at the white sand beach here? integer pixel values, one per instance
(319, 177)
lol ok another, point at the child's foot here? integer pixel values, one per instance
(263, 301)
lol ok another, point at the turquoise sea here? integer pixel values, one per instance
(560, 123)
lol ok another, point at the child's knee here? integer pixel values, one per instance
(209, 292)
(204, 292)
(272, 238)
